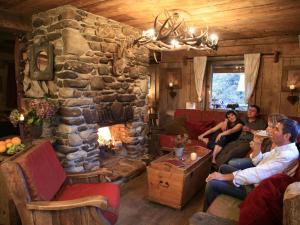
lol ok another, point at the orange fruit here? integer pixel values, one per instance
(8, 145)
(8, 141)
(16, 141)
(2, 148)
(2, 143)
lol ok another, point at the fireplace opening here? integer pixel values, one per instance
(125, 139)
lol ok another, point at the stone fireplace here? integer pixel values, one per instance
(100, 80)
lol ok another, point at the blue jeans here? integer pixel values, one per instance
(216, 187)
(241, 163)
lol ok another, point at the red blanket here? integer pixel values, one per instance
(264, 205)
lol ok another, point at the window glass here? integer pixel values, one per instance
(228, 88)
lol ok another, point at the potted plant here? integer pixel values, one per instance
(180, 142)
(40, 110)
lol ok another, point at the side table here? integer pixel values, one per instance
(174, 182)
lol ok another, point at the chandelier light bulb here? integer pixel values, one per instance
(150, 33)
(192, 30)
(214, 38)
(175, 43)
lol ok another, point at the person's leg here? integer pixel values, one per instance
(216, 187)
(216, 151)
(212, 139)
(224, 169)
(241, 164)
(235, 149)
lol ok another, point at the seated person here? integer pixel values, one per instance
(223, 133)
(236, 183)
(265, 142)
(240, 147)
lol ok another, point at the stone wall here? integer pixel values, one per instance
(95, 67)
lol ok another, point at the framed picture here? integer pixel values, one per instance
(174, 77)
(290, 78)
(41, 62)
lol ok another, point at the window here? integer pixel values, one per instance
(228, 87)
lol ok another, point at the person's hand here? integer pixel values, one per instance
(214, 176)
(200, 137)
(255, 145)
(246, 128)
(219, 136)
(258, 139)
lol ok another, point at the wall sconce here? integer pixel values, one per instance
(292, 98)
(172, 91)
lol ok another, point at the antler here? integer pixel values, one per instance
(174, 29)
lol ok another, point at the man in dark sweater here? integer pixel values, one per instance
(240, 147)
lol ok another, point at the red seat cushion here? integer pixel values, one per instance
(43, 172)
(197, 128)
(109, 190)
(264, 204)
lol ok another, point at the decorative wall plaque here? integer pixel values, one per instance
(41, 62)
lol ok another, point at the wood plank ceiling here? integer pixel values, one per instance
(230, 19)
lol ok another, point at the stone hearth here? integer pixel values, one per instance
(99, 80)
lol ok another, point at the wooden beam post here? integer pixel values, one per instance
(14, 22)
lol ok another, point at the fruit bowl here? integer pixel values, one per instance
(11, 146)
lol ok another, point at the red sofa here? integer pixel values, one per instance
(197, 122)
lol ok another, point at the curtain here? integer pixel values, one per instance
(251, 71)
(199, 70)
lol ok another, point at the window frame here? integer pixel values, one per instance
(209, 75)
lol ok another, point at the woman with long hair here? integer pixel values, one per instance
(223, 133)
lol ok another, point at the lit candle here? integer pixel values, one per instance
(170, 84)
(21, 118)
(193, 156)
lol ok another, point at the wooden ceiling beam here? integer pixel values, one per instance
(13, 22)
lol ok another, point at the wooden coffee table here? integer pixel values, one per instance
(173, 182)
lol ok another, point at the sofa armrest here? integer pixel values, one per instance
(291, 204)
(99, 175)
(96, 201)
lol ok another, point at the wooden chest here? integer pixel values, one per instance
(173, 182)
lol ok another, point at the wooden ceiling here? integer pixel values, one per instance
(230, 19)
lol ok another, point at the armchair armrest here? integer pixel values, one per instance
(291, 204)
(99, 175)
(96, 201)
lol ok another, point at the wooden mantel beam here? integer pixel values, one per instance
(14, 22)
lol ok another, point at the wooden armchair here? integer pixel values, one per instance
(44, 194)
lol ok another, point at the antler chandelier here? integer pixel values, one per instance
(172, 34)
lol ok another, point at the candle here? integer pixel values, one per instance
(193, 156)
(21, 118)
(170, 84)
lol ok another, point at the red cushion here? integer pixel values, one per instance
(197, 128)
(264, 204)
(109, 190)
(42, 171)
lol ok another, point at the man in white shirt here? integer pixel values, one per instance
(234, 182)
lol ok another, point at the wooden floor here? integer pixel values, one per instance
(136, 209)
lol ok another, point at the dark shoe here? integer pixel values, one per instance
(213, 168)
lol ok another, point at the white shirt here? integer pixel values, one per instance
(270, 163)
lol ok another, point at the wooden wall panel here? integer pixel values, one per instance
(268, 94)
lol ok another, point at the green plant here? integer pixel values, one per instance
(41, 109)
(14, 117)
(181, 140)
